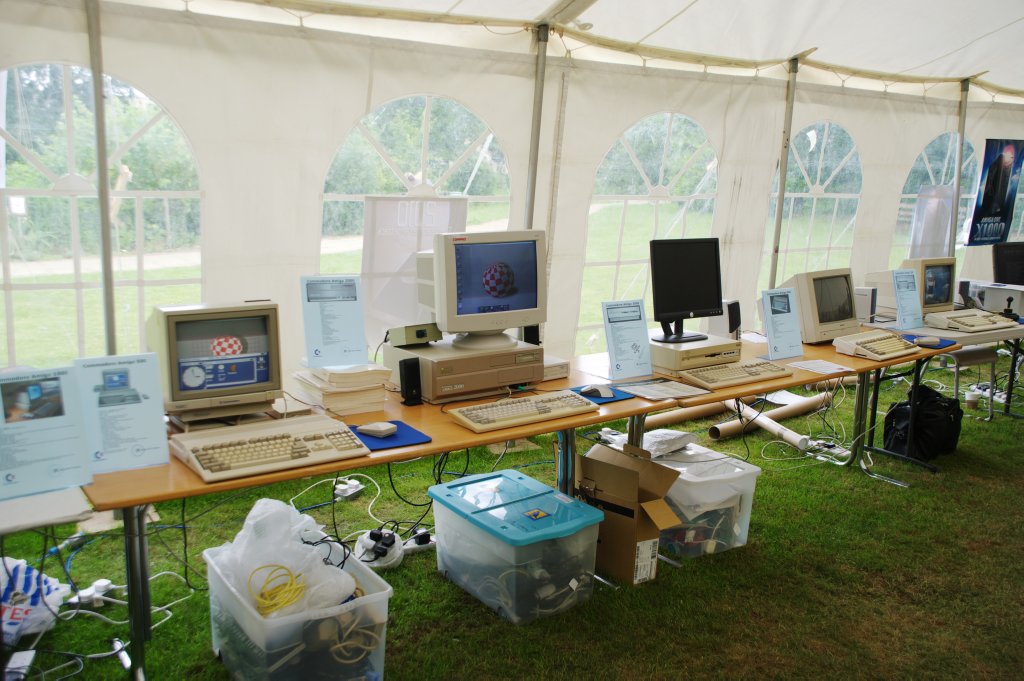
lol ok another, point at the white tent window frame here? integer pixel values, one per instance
(820, 205)
(658, 180)
(934, 166)
(425, 173)
(52, 178)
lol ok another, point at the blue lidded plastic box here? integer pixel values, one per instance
(521, 547)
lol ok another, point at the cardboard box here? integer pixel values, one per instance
(631, 491)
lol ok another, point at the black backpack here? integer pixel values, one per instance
(936, 425)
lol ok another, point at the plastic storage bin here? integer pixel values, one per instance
(713, 495)
(521, 547)
(341, 642)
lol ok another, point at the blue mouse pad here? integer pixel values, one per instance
(405, 435)
(943, 342)
(618, 395)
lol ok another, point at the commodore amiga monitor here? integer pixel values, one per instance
(935, 277)
(487, 282)
(686, 283)
(825, 300)
(216, 360)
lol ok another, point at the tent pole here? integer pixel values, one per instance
(954, 217)
(538, 106)
(92, 12)
(787, 128)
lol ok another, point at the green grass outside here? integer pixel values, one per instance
(843, 576)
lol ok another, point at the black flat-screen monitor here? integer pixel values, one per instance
(1008, 263)
(686, 282)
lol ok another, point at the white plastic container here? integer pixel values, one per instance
(521, 547)
(344, 641)
(713, 495)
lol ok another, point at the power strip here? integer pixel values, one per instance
(1000, 395)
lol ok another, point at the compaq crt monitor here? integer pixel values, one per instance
(487, 282)
(825, 299)
(686, 283)
(216, 360)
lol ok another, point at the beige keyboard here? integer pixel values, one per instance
(517, 411)
(968, 320)
(734, 373)
(876, 345)
(266, 446)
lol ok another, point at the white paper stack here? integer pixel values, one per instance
(347, 392)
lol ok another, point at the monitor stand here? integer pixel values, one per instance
(489, 340)
(674, 333)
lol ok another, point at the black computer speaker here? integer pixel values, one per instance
(409, 378)
(531, 334)
(732, 312)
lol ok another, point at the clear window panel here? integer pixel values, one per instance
(821, 226)
(35, 118)
(94, 332)
(632, 281)
(126, 309)
(171, 232)
(359, 169)
(490, 215)
(453, 129)
(618, 175)
(603, 231)
(590, 340)
(47, 327)
(342, 262)
(638, 230)
(4, 355)
(597, 287)
(40, 242)
(342, 218)
(398, 128)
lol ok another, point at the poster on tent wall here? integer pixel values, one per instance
(997, 189)
(395, 228)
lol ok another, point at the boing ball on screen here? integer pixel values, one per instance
(225, 346)
(499, 279)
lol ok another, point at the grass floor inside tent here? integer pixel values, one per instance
(842, 576)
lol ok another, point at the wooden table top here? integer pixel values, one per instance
(174, 480)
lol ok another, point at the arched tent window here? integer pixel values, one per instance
(442, 165)
(823, 186)
(658, 181)
(934, 166)
(52, 302)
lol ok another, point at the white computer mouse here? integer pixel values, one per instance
(597, 391)
(378, 429)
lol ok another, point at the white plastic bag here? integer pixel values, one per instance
(272, 536)
(659, 442)
(29, 600)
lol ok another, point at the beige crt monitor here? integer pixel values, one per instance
(216, 360)
(935, 285)
(825, 299)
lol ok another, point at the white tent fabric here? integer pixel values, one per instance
(265, 107)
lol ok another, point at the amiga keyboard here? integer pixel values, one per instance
(733, 373)
(971, 321)
(876, 345)
(517, 411)
(266, 446)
